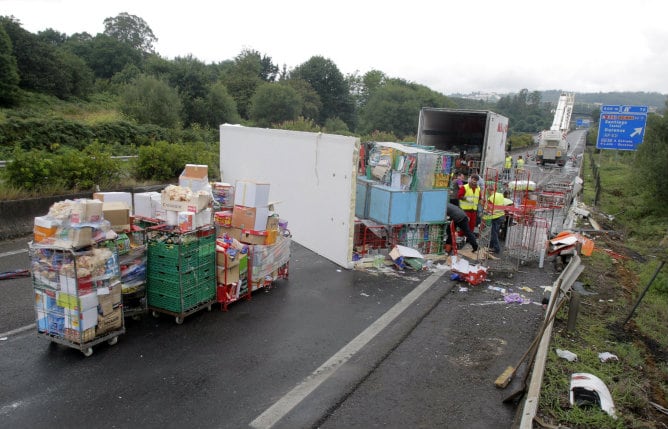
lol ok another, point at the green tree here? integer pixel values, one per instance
(311, 100)
(9, 76)
(52, 37)
(217, 107)
(132, 30)
(151, 101)
(79, 77)
(325, 77)
(192, 78)
(651, 160)
(274, 103)
(395, 106)
(242, 77)
(105, 55)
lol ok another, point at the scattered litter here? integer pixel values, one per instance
(606, 356)
(496, 288)
(659, 408)
(579, 288)
(463, 289)
(565, 354)
(364, 294)
(338, 271)
(516, 297)
(589, 390)
(3, 339)
(526, 289)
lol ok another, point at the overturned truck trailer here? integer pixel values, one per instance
(478, 134)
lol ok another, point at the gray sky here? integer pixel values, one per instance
(449, 46)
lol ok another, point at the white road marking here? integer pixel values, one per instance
(13, 252)
(18, 330)
(290, 400)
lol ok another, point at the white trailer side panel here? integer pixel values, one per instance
(497, 133)
(312, 175)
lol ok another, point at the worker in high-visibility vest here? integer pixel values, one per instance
(496, 213)
(520, 163)
(507, 166)
(469, 196)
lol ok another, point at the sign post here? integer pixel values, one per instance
(621, 127)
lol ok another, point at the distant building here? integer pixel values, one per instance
(483, 96)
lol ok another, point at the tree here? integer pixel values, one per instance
(151, 101)
(9, 76)
(132, 30)
(192, 78)
(311, 100)
(275, 103)
(248, 71)
(105, 55)
(217, 107)
(395, 107)
(651, 161)
(323, 75)
(52, 37)
(42, 66)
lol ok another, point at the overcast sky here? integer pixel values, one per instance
(450, 46)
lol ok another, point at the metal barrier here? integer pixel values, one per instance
(560, 291)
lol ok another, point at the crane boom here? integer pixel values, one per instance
(552, 144)
(562, 116)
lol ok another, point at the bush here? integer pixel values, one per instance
(164, 161)
(70, 169)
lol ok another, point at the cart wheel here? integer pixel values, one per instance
(179, 320)
(208, 308)
(88, 352)
(155, 314)
(112, 341)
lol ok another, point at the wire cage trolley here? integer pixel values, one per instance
(77, 295)
(181, 271)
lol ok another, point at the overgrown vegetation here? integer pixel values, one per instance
(625, 260)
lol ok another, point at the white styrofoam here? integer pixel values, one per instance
(311, 174)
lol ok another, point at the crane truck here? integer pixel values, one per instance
(552, 144)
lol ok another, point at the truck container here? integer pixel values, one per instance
(477, 135)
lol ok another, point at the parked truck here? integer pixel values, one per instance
(479, 136)
(552, 143)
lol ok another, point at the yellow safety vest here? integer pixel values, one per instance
(520, 164)
(498, 202)
(509, 162)
(471, 198)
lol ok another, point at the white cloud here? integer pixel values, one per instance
(479, 45)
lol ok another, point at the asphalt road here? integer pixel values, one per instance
(327, 347)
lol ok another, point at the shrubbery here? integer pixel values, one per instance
(163, 161)
(70, 169)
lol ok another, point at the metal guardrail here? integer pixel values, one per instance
(560, 291)
(3, 164)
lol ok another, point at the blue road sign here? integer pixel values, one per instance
(621, 127)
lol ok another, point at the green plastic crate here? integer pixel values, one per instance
(177, 304)
(172, 285)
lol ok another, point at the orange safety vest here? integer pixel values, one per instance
(471, 198)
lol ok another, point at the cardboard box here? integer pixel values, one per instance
(144, 205)
(118, 215)
(231, 232)
(80, 320)
(196, 204)
(115, 197)
(233, 274)
(79, 337)
(74, 302)
(44, 228)
(272, 222)
(93, 211)
(250, 217)
(224, 260)
(109, 298)
(110, 322)
(195, 177)
(249, 193)
(186, 221)
(74, 237)
(251, 236)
